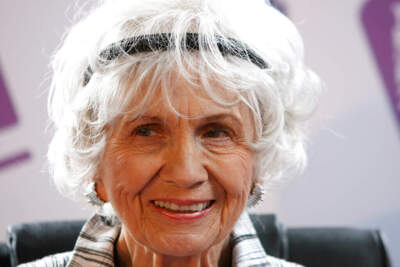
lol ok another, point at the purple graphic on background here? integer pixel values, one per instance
(280, 5)
(381, 19)
(7, 114)
(14, 159)
(8, 118)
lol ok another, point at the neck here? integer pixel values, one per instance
(130, 253)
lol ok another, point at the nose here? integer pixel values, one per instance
(184, 163)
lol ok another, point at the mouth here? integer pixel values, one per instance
(173, 206)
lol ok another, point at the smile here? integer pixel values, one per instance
(182, 208)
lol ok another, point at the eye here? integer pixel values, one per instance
(217, 137)
(216, 133)
(147, 137)
(147, 130)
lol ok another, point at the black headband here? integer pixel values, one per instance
(164, 41)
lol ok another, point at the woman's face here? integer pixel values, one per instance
(178, 185)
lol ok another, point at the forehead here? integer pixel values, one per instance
(187, 99)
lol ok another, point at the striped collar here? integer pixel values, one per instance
(247, 250)
(95, 245)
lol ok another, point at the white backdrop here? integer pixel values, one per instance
(353, 174)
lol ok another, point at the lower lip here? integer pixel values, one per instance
(180, 216)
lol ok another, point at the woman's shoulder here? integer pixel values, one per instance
(56, 260)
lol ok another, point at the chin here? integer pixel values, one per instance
(183, 246)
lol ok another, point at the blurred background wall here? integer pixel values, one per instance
(354, 149)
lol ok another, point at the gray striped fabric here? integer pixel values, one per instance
(95, 247)
(247, 249)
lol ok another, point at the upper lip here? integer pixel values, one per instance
(182, 201)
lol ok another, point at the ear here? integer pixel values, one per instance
(100, 188)
(259, 181)
(255, 181)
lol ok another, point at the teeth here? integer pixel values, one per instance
(187, 208)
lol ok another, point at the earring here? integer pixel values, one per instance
(91, 194)
(256, 195)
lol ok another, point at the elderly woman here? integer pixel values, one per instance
(171, 116)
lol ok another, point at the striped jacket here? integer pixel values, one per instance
(95, 247)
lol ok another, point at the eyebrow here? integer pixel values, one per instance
(222, 116)
(144, 118)
(212, 118)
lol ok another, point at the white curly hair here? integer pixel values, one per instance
(281, 97)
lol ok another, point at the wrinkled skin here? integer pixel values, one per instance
(165, 156)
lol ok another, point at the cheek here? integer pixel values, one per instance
(234, 172)
(127, 174)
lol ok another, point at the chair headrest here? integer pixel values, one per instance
(332, 247)
(33, 241)
(4, 255)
